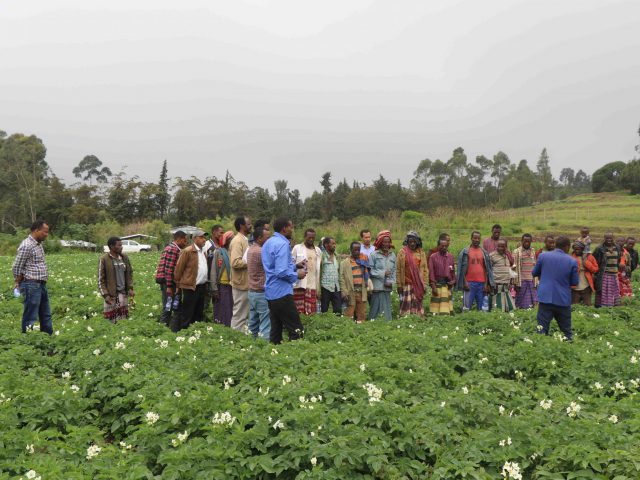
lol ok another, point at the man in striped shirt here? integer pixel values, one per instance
(354, 276)
(31, 274)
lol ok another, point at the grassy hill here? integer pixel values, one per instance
(617, 212)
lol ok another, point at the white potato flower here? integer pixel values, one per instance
(152, 417)
(573, 409)
(375, 393)
(511, 470)
(93, 451)
(224, 418)
(546, 404)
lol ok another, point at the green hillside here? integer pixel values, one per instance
(617, 212)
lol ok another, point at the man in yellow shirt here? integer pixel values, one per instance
(239, 275)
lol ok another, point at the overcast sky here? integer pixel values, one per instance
(291, 89)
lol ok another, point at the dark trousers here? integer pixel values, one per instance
(165, 317)
(582, 296)
(36, 305)
(548, 311)
(192, 309)
(283, 313)
(333, 298)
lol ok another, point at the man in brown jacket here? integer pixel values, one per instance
(115, 281)
(239, 276)
(191, 277)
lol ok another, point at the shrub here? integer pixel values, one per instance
(412, 217)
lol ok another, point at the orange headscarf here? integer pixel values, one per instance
(225, 237)
(381, 235)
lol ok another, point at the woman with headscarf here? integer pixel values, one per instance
(501, 264)
(624, 274)
(220, 282)
(608, 256)
(587, 268)
(412, 275)
(383, 275)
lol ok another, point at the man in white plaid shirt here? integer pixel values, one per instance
(31, 275)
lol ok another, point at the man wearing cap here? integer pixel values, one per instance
(191, 278)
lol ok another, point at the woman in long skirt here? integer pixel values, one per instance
(624, 273)
(383, 275)
(412, 274)
(220, 281)
(442, 278)
(524, 258)
(501, 297)
(608, 256)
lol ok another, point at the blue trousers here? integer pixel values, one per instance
(475, 293)
(36, 305)
(548, 311)
(259, 321)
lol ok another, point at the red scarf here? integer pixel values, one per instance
(418, 286)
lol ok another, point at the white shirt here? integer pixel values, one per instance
(201, 277)
(367, 250)
(208, 244)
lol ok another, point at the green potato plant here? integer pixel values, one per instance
(477, 395)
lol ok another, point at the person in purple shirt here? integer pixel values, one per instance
(558, 272)
(281, 273)
(491, 244)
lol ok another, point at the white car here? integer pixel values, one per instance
(131, 246)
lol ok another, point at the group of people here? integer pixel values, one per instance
(258, 281)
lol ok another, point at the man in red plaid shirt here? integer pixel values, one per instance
(164, 272)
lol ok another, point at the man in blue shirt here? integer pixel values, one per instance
(558, 272)
(281, 273)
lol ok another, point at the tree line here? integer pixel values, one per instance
(29, 189)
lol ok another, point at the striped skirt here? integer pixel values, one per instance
(443, 303)
(609, 293)
(527, 297)
(501, 300)
(625, 285)
(223, 308)
(306, 301)
(409, 303)
(118, 310)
